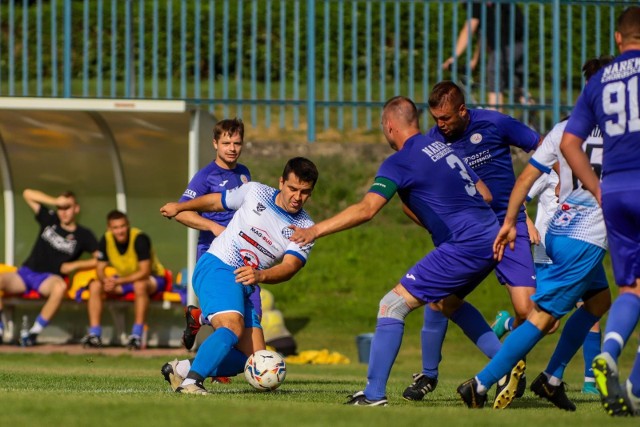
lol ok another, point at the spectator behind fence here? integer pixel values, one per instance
(138, 271)
(56, 252)
(499, 51)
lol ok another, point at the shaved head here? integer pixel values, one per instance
(401, 109)
(629, 25)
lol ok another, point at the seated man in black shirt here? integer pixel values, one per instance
(60, 243)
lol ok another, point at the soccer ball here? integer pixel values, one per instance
(265, 370)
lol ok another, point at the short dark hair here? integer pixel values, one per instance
(228, 126)
(591, 66)
(303, 168)
(116, 214)
(446, 91)
(402, 107)
(629, 23)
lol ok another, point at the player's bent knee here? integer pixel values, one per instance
(393, 306)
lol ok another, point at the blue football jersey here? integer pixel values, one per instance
(485, 146)
(439, 188)
(214, 179)
(611, 100)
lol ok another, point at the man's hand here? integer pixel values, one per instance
(534, 234)
(110, 284)
(170, 210)
(247, 275)
(64, 202)
(302, 236)
(506, 235)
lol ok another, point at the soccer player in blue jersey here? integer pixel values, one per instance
(483, 139)
(223, 173)
(439, 189)
(576, 243)
(611, 101)
(254, 248)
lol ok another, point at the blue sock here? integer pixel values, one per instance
(590, 349)
(573, 336)
(41, 321)
(137, 329)
(231, 365)
(623, 317)
(477, 329)
(515, 347)
(432, 335)
(1, 322)
(384, 349)
(95, 330)
(213, 351)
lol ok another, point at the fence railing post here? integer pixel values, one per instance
(67, 50)
(311, 71)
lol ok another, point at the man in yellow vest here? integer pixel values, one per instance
(138, 271)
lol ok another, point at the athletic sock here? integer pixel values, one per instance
(515, 347)
(432, 336)
(183, 367)
(476, 328)
(95, 331)
(137, 329)
(38, 325)
(213, 351)
(231, 365)
(384, 349)
(573, 336)
(634, 376)
(623, 317)
(590, 349)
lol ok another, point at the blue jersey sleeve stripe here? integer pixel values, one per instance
(224, 200)
(539, 166)
(297, 255)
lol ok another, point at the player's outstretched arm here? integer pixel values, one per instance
(279, 273)
(351, 217)
(207, 203)
(571, 147)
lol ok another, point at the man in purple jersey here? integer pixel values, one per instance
(483, 139)
(444, 195)
(223, 173)
(611, 100)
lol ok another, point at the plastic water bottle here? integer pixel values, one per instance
(24, 331)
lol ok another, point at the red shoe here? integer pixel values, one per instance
(221, 380)
(192, 315)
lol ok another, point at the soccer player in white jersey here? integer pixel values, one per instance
(576, 243)
(611, 100)
(254, 248)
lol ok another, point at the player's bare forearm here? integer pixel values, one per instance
(84, 264)
(276, 274)
(352, 216)
(519, 193)
(207, 203)
(571, 147)
(192, 220)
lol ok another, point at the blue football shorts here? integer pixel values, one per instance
(576, 271)
(215, 285)
(450, 269)
(516, 267)
(621, 210)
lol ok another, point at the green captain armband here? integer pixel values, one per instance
(384, 187)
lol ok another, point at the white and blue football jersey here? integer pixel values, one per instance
(258, 234)
(578, 216)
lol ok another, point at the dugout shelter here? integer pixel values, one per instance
(133, 155)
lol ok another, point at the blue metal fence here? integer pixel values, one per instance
(312, 64)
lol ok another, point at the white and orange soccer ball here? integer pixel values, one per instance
(265, 370)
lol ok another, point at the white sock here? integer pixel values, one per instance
(36, 328)
(188, 381)
(183, 367)
(555, 381)
(481, 388)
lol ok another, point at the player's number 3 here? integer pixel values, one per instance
(614, 101)
(455, 163)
